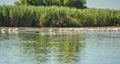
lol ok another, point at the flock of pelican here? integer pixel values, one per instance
(10, 30)
(16, 30)
(86, 30)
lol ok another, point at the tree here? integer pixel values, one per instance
(29, 2)
(67, 3)
(77, 3)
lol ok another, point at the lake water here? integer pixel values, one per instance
(60, 48)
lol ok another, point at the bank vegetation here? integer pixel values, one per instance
(53, 16)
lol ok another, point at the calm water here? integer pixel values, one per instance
(60, 48)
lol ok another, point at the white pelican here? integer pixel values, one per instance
(10, 30)
(109, 29)
(60, 30)
(15, 30)
(50, 30)
(3, 30)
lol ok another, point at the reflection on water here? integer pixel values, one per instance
(60, 48)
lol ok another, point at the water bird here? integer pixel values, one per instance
(109, 29)
(12, 30)
(76, 29)
(50, 30)
(15, 29)
(63, 30)
(113, 29)
(3, 30)
(60, 30)
(91, 30)
(70, 30)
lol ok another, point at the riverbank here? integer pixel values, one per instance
(53, 16)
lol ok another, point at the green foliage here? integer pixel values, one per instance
(53, 16)
(68, 3)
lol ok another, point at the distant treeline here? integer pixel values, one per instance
(66, 3)
(53, 16)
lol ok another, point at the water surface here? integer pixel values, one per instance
(60, 48)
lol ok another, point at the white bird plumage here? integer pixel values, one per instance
(10, 30)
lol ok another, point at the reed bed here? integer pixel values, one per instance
(54, 16)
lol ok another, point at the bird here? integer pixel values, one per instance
(10, 30)
(50, 30)
(15, 30)
(3, 30)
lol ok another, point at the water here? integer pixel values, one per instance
(60, 48)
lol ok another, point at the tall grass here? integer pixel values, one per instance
(31, 16)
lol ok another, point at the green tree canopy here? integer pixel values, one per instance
(68, 3)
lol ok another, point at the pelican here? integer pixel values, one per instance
(98, 29)
(114, 29)
(76, 29)
(3, 30)
(15, 30)
(60, 30)
(10, 30)
(81, 29)
(70, 30)
(50, 30)
(104, 30)
(109, 29)
(91, 29)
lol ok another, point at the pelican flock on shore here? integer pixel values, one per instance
(10, 30)
(52, 30)
(86, 30)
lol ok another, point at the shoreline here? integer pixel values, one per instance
(59, 29)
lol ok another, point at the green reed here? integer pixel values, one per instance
(53, 16)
